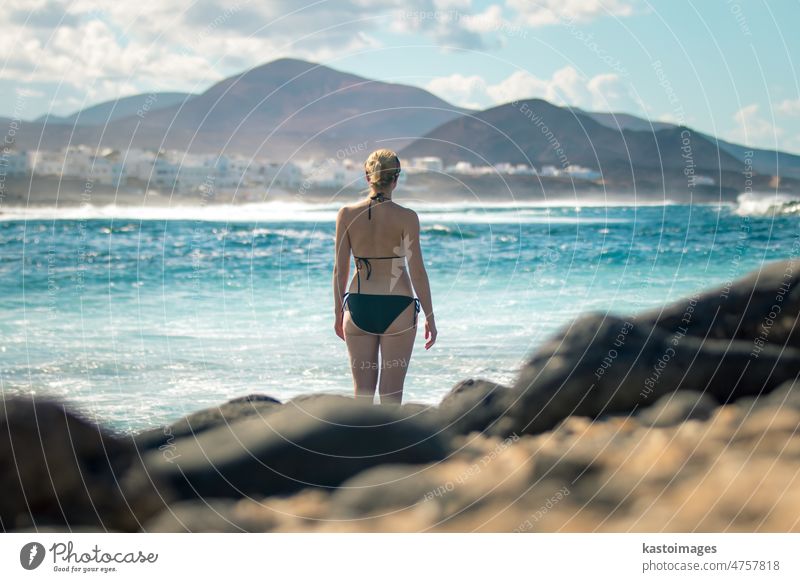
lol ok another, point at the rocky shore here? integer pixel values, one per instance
(681, 419)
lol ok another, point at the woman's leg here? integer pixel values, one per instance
(363, 350)
(396, 346)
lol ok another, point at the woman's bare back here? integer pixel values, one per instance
(381, 230)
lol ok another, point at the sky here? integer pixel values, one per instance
(725, 67)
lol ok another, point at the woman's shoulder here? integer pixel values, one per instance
(405, 210)
(347, 209)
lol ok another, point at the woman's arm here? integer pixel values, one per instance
(419, 278)
(341, 268)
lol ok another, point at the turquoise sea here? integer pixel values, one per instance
(141, 315)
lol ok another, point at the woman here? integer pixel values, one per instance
(379, 312)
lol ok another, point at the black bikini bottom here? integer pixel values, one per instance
(375, 313)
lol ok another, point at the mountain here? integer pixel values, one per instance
(536, 132)
(533, 130)
(283, 109)
(293, 109)
(769, 162)
(624, 121)
(117, 109)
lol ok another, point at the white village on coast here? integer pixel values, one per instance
(177, 171)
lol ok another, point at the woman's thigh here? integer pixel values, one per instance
(396, 347)
(363, 350)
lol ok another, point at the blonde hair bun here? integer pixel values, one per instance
(382, 166)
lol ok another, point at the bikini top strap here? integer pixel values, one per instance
(379, 197)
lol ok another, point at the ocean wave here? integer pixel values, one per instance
(767, 204)
(297, 211)
(276, 211)
(439, 230)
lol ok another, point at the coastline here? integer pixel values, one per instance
(673, 419)
(68, 193)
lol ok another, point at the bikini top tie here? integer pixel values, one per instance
(365, 261)
(377, 196)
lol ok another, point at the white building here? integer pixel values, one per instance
(46, 163)
(286, 175)
(460, 168)
(139, 163)
(549, 171)
(427, 164)
(14, 164)
(164, 174)
(581, 173)
(191, 176)
(507, 168)
(328, 173)
(80, 162)
(523, 169)
(106, 171)
(463, 167)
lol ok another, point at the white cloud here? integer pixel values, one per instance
(670, 118)
(487, 21)
(447, 4)
(101, 50)
(521, 85)
(27, 92)
(451, 23)
(546, 12)
(753, 130)
(789, 107)
(466, 91)
(565, 87)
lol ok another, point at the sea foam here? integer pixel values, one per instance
(767, 203)
(299, 211)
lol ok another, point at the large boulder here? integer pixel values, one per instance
(762, 306)
(61, 470)
(605, 364)
(202, 420)
(473, 405)
(319, 442)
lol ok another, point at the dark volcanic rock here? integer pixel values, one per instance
(254, 398)
(231, 411)
(319, 443)
(762, 305)
(604, 364)
(60, 469)
(473, 405)
(305, 399)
